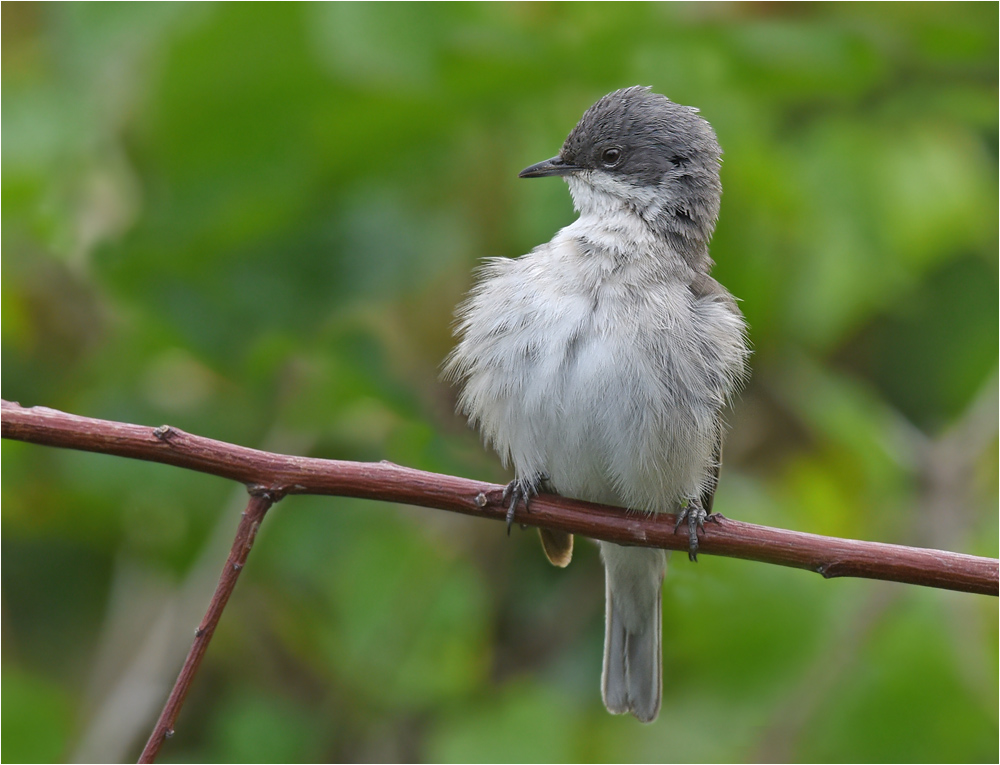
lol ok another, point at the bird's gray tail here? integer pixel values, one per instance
(632, 678)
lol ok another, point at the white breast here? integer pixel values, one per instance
(584, 370)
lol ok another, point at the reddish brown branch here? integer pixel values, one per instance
(260, 503)
(282, 474)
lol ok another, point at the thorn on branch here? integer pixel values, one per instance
(829, 570)
(164, 433)
(270, 493)
(251, 537)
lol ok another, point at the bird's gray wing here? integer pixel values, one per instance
(708, 494)
(704, 286)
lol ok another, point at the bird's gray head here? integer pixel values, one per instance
(638, 150)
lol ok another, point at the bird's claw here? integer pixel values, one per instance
(518, 490)
(694, 516)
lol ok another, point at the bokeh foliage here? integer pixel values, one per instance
(253, 222)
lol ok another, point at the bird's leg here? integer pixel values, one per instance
(521, 489)
(695, 516)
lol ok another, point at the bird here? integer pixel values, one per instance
(599, 364)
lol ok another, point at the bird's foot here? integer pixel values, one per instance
(518, 490)
(694, 516)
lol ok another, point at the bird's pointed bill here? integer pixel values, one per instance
(554, 166)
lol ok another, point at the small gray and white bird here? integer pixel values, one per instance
(598, 364)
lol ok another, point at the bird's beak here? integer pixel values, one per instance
(554, 166)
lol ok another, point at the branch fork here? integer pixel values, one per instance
(269, 477)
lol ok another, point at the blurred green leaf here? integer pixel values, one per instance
(522, 723)
(36, 718)
(253, 222)
(261, 728)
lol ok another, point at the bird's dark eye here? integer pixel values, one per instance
(611, 157)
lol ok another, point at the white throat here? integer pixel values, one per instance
(615, 216)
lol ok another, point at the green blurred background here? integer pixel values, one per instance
(253, 222)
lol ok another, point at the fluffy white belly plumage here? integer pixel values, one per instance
(575, 369)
